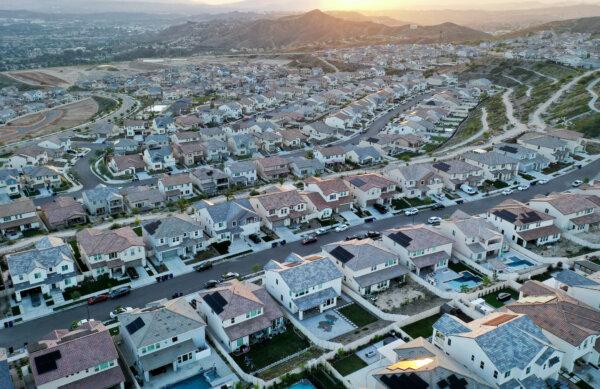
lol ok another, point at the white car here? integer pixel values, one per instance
(411, 211)
(507, 191)
(114, 313)
(341, 227)
(542, 182)
(434, 220)
(523, 187)
(576, 183)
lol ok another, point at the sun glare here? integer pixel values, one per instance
(360, 4)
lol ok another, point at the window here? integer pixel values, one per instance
(507, 374)
(64, 267)
(174, 339)
(495, 374)
(472, 358)
(482, 365)
(528, 370)
(449, 342)
(37, 275)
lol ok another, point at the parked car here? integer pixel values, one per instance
(369, 219)
(382, 209)
(341, 227)
(434, 220)
(374, 234)
(507, 191)
(132, 273)
(523, 187)
(97, 299)
(322, 231)
(503, 296)
(118, 310)
(542, 181)
(176, 295)
(352, 237)
(119, 292)
(576, 183)
(437, 207)
(229, 276)
(309, 240)
(254, 238)
(203, 266)
(411, 211)
(468, 189)
(36, 300)
(211, 284)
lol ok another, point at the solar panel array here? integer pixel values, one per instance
(509, 149)
(135, 325)
(506, 215)
(215, 301)
(443, 166)
(453, 382)
(357, 182)
(531, 217)
(401, 238)
(341, 254)
(411, 381)
(47, 362)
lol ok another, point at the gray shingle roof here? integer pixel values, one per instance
(491, 158)
(308, 273)
(449, 325)
(365, 253)
(49, 252)
(171, 226)
(570, 278)
(228, 211)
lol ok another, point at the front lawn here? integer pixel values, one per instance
(554, 167)
(348, 364)
(423, 327)
(492, 298)
(404, 202)
(357, 315)
(495, 184)
(273, 350)
(90, 285)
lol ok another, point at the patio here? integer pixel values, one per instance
(328, 325)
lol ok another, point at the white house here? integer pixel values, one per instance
(229, 220)
(572, 211)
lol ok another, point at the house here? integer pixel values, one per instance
(229, 220)
(210, 180)
(27, 156)
(240, 314)
(529, 160)
(126, 146)
(46, 267)
(367, 265)
(455, 172)
(522, 224)
(505, 349)
(214, 150)
(496, 166)
(418, 363)
(9, 182)
(416, 180)
(241, 172)
(572, 211)
(302, 167)
(281, 208)
(159, 158)
(189, 153)
(573, 284)
(420, 248)
(174, 236)
(242, 145)
(165, 336)
(474, 237)
(320, 131)
(143, 197)
(231, 110)
(327, 196)
(18, 216)
(111, 251)
(126, 165)
(272, 168)
(573, 139)
(63, 212)
(304, 284)
(103, 200)
(552, 148)
(371, 188)
(330, 155)
(571, 327)
(176, 186)
(83, 357)
(364, 155)
(40, 177)
(186, 137)
(163, 125)
(56, 142)
(292, 138)
(134, 127)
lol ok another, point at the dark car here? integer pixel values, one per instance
(380, 208)
(374, 234)
(176, 295)
(356, 236)
(119, 292)
(254, 238)
(503, 296)
(97, 299)
(211, 284)
(132, 273)
(370, 219)
(36, 300)
(203, 266)
(309, 240)
(437, 207)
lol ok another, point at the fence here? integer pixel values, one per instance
(370, 307)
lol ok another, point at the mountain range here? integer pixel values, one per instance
(582, 25)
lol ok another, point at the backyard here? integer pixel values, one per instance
(357, 315)
(492, 298)
(422, 328)
(348, 364)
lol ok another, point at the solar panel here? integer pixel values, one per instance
(215, 301)
(135, 325)
(506, 215)
(401, 238)
(47, 362)
(509, 149)
(357, 182)
(411, 381)
(531, 217)
(457, 383)
(341, 254)
(443, 166)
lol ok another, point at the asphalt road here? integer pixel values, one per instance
(33, 330)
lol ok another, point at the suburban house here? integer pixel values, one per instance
(320, 131)
(126, 165)
(304, 285)
(9, 182)
(455, 172)
(371, 188)
(475, 237)
(327, 196)
(367, 265)
(416, 180)
(496, 166)
(240, 314)
(228, 220)
(40, 177)
(163, 337)
(364, 155)
(174, 236)
(522, 224)
(281, 208)
(126, 146)
(63, 212)
(103, 200)
(134, 127)
(49, 265)
(189, 153)
(28, 156)
(143, 197)
(83, 357)
(111, 251)
(420, 248)
(573, 139)
(552, 148)
(572, 211)
(18, 216)
(302, 167)
(571, 327)
(272, 168)
(159, 158)
(506, 349)
(241, 172)
(529, 160)
(330, 155)
(420, 364)
(176, 186)
(210, 180)
(242, 145)
(575, 285)
(214, 150)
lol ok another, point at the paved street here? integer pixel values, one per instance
(188, 283)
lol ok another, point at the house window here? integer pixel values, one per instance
(495, 374)
(64, 267)
(472, 357)
(37, 275)
(482, 365)
(528, 370)
(507, 374)
(174, 339)
(449, 342)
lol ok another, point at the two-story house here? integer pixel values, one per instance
(272, 168)
(159, 158)
(62, 212)
(9, 182)
(40, 177)
(455, 172)
(210, 180)
(242, 145)
(572, 211)
(332, 155)
(18, 216)
(529, 159)
(327, 196)
(111, 251)
(103, 200)
(189, 153)
(371, 188)
(174, 236)
(229, 220)
(241, 172)
(281, 208)
(418, 180)
(143, 198)
(552, 148)
(302, 167)
(176, 186)
(496, 166)
(304, 284)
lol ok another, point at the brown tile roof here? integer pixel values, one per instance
(536, 233)
(94, 241)
(277, 200)
(61, 209)
(129, 161)
(328, 186)
(368, 181)
(17, 207)
(176, 179)
(568, 203)
(320, 204)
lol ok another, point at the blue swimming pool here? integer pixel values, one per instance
(517, 263)
(466, 279)
(303, 384)
(195, 382)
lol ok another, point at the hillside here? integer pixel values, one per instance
(582, 25)
(309, 29)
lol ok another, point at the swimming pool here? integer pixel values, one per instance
(466, 279)
(195, 382)
(517, 263)
(303, 384)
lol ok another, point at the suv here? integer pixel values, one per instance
(203, 266)
(119, 292)
(380, 208)
(132, 273)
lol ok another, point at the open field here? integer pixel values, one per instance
(48, 122)
(574, 102)
(38, 78)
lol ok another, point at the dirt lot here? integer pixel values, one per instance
(407, 299)
(48, 122)
(38, 78)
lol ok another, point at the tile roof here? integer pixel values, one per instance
(360, 254)
(329, 185)
(570, 278)
(569, 203)
(239, 209)
(175, 179)
(48, 253)
(280, 199)
(171, 226)
(491, 158)
(94, 241)
(417, 237)
(518, 213)
(449, 325)
(61, 209)
(17, 207)
(368, 181)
